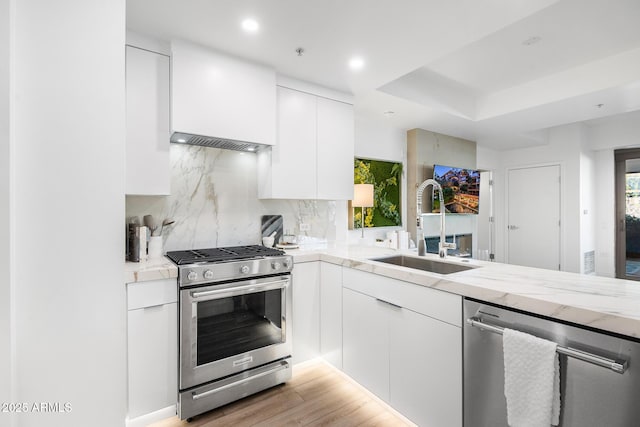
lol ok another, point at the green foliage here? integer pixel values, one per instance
(385, 177)
(633, 183)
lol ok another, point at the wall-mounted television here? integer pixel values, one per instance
(460, 189)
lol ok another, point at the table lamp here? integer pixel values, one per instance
(363, 198)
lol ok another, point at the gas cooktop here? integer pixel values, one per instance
(231, 253)
(207, 266)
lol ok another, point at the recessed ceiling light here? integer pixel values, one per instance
(356, 63)
(250, 25)
(532, 40)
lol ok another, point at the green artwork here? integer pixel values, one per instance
(385, 177)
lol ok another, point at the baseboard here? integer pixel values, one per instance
(382, 403)
(152, 417)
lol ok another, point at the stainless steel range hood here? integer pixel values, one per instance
(214, 142)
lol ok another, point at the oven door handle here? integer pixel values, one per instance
(238, 290)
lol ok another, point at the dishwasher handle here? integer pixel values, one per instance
(619, 366)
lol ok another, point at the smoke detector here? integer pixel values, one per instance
(532, 40)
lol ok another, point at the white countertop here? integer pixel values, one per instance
(153, 269)
(599, 302)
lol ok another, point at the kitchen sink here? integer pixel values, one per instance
(424, 264)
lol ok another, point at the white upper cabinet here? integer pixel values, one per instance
(148, 106)
(292, 170)
(335, 150)
(313, 157)
(220, 96)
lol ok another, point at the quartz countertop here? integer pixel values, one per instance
(603, 303)
(153, 269)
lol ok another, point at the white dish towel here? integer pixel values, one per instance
(531, 380)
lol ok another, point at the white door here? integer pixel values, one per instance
(533, 217)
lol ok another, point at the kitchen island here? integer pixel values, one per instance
(399, 331)
(608, 304)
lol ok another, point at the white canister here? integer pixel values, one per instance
(155, 247)
(403, 240)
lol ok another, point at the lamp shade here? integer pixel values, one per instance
(363, 195)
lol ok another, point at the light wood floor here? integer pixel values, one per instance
(317, 395)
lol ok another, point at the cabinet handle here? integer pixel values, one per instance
(388, 303)
(160, 305)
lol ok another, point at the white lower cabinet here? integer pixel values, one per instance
(152, 336)
(306, 311)
(331, 313)
(366, 342)
(403, 342)
(425, 369)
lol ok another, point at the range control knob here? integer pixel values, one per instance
(276, 265)
(192, 276)
(208, 275)
(287, 263)
(244, 269)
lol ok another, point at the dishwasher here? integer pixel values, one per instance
(598, 383)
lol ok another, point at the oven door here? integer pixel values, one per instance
(228, 328)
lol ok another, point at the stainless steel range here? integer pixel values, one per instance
(235, 327)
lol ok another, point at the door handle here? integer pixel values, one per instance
(225, 292)
(513, 227)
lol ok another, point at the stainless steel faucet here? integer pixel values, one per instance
(443, 246)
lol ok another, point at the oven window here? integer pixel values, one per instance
(235, 325)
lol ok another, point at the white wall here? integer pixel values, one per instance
(586, 153)
(491, 160)
(563, 148)
(604, 191)
(588, 202)
(604, 137)
(68, 162)
(5, 203)
(378, 140)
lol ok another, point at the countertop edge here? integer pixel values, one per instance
(540, 303)
(154, 269)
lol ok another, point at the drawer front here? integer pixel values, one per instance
(437, 304)
(151, 293)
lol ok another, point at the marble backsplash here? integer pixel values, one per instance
(214, 202)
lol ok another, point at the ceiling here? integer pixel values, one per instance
(497, 71)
